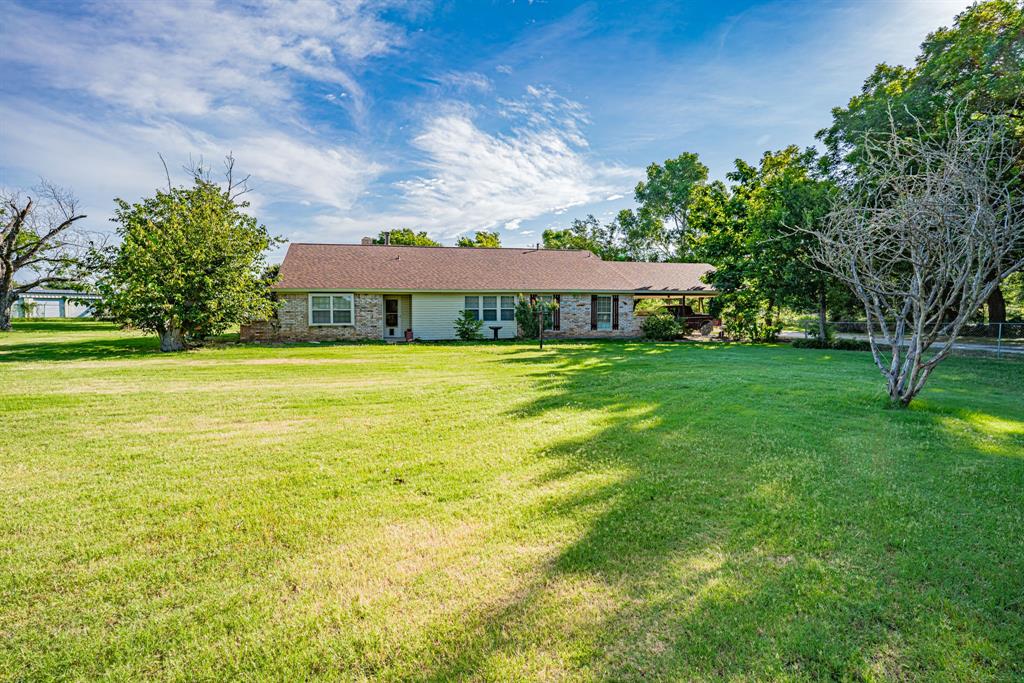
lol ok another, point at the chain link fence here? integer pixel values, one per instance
(996, 338)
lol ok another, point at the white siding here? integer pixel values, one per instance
(76, 310)
(44, 308)
(405, 312)
(51, 306)
(433, 317)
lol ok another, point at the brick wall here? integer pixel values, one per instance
(574, 310)
(292, 322)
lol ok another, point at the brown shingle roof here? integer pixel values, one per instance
(447, 269)
(664, 277)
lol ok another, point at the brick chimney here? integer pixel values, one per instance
(367, 241)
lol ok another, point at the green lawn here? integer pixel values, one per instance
(593, 511)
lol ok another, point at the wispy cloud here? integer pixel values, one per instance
(122, 81)
(477, 179)
(466, 80)
(353, 116)
(193, 58)
(284, 168)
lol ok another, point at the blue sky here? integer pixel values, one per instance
(445, 116)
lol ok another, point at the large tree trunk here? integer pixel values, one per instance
(768, 333)
(6, 303)
(996, 305)
(171, 339)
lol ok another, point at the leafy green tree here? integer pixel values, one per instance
(482, 239)
(406, 237)
(528, 313)
(749, 232)
(644, 237)
(661, 226)
(1014, 290)
(977, 63)
(587, 234)
(978, 60)
(190, 264)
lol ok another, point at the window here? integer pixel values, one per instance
(473, 306)
(390, 312)
(604, 313)
(331, 309)
(508, 308)
(490, 307)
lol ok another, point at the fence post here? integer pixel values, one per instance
(999, 342)
(540, 325)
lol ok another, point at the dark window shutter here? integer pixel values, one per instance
(557, 315)
(615, 312)
(593, 311)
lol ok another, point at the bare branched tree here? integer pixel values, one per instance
(931, 226)
(37, 243)
(233, 186)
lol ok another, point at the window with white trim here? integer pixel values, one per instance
(508, 308)
(331, 309)
(489, 306)
(604, 313)
(473, 306)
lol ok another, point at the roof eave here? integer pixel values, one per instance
(392, 290)
(673, 292)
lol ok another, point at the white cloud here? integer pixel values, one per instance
(191, 58)
(542, 107)
(333, 176)
(614, 197)
(126, 80)
(466, 80)
(70, 150)
(477, 179)
(514, 224)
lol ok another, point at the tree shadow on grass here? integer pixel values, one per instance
(764, 517)
(52, 325)
(87, 345)
(81, 349)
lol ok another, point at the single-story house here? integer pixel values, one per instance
(40, 302)
(330, 292)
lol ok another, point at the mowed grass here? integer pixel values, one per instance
(431, 512)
